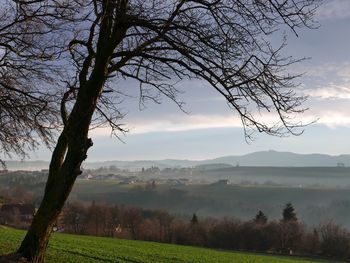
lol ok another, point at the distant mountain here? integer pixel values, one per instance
(26, 165)
(167, 163)
(263, 158)
(132, 165)
(274, 158)
(213, 166)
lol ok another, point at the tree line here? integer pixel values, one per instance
(287, 235)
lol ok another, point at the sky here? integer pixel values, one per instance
(210, 129)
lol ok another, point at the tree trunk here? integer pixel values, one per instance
(35, 243)
(73, 143)
(66, 160)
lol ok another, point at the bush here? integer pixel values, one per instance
(335, 241)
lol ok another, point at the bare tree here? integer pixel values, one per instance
(26, 108)
(335, 240)
(157, 44)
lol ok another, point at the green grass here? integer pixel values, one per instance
(72, 248)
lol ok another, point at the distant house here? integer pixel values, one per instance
(222, 182)
(11, 214)
(177, 182)
(126, 181)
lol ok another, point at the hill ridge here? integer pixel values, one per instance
(269, 158)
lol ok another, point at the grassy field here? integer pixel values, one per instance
(71, 248)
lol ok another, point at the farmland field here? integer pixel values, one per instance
(319, 194)
(314, 205)
(71, 248)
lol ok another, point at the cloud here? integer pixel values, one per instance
(333, 119)
(330, 92)
(334, 9)
(326, 81)
(182, 122)
(325, 70)
(327, 85)
(329, 107)
(176, 122)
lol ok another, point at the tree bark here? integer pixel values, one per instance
(35, 243)
(72, 148)
(66, 160)
(73, 143)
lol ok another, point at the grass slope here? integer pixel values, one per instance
(72, 248)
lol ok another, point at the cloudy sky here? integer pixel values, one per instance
(211, 129)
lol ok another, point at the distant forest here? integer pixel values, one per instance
(319, 194)
(286, 235)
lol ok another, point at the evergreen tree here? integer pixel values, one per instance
(289, 213)
(194, 219)
(154, 184)
(260, 218)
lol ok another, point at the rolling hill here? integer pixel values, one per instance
(65, 248)
(263, 158)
